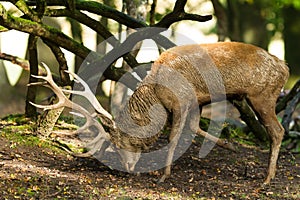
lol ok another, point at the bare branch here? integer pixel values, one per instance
(30, 110)
(178, 14)
(99, 9)
(281, 105)
(63, 66)
(152, 12)
(43, 31)
(95, 25)
(249, 117)
(15, 60)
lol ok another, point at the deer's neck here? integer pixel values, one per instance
(141, 120)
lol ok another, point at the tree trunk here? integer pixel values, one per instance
(291, 39)
(246, 24)
(30, 110)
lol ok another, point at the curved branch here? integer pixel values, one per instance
(99, 9)
(173, 17)
(179, 6)
(42, 31)
(15, 60)
(178, 14)
(100, 29)
(86, 20)
(93, 24)
(63, 66)
(103, 10)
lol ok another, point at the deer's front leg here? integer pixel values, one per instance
(179, 119)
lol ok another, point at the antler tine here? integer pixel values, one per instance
(48, 107)
(64, 101)
(97, 147)
(37, 83)
(96, 144)
(88, 94)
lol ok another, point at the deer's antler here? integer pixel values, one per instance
(63, 101)
(88, 94)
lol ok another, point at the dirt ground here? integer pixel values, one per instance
(38, 172)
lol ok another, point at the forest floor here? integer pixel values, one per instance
(31, 168)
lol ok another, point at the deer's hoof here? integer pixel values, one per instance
(162, 179)
(266, 182)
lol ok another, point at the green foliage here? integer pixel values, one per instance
(2, 29)
(294, 3)
(238, 134)
(272, 11)
(19, 130)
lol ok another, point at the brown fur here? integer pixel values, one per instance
(244, 70)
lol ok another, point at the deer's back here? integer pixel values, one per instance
(242, 68)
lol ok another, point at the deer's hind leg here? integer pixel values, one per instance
(264, 107)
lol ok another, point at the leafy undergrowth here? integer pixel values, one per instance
(31, 168)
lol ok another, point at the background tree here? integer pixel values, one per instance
(291, 33)
(257, 21)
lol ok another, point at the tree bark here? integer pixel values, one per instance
(30, 110)
(248, 116)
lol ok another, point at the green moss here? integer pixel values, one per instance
(19, 130)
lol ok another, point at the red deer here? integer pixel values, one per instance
(237, 70)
